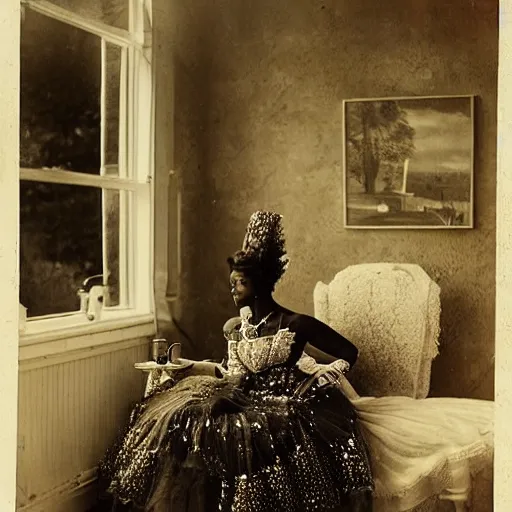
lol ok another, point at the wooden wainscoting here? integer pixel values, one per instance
(70, 410)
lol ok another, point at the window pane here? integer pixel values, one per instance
(111, 12)
(112, 210)
(61, 244)
(113, 55)
(61, 97)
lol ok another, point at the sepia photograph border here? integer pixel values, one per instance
(9, 270)
(471, 98)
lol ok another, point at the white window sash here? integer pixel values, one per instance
(111, 34)
(82, 179)
(123, 116)
(143, 120)
(136, 168)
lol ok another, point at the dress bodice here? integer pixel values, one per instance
(263, 352)
(266, 363)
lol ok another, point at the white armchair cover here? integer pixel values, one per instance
(391, 313)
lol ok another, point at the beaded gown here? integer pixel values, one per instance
(267, 436)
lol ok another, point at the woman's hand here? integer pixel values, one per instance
(201, 368)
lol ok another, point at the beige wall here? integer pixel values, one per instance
(258, 117)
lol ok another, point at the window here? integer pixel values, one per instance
(85, 162)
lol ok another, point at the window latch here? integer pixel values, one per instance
(91, 297)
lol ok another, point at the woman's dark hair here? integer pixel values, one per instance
(252, 269)
(263, 256)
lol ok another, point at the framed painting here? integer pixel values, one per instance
(409, 162)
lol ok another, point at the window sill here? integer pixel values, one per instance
(40, 342)
(52, 327)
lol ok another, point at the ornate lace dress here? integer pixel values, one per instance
(265, 437)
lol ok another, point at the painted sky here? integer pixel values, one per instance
(443, 138)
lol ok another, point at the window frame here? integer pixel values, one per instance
(136, 124)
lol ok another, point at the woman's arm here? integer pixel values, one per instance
(204, 368)
(323, 343)
(319, 355)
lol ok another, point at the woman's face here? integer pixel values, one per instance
(242, 288)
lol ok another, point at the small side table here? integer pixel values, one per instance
(160, 373)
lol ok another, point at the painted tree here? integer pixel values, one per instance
(379, 139)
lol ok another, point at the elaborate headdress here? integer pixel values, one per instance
(263, 250)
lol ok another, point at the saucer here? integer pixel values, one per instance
(179, 364)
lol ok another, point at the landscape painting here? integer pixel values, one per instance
(408, 162)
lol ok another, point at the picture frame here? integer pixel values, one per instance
(408, 162)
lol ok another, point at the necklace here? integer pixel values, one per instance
(249, 331)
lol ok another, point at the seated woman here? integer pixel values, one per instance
(279, 430)
(261, 434)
